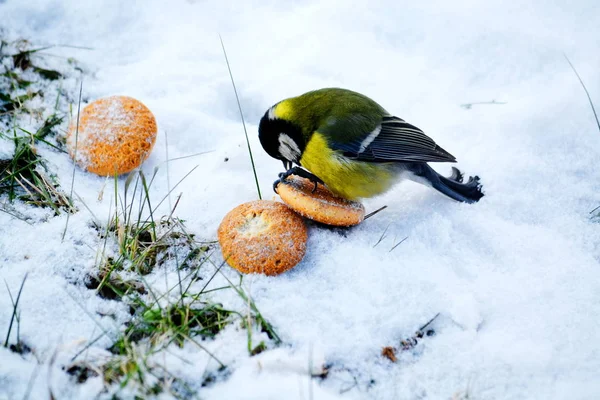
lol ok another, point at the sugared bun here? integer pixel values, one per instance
(116, 134)
(262, 237)
(322, 205)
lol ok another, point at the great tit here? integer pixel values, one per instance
(355, 147)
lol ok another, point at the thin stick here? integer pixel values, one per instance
(74, 158)
(586, 91)
(412, 341)
(242, 116)
(429, 322)
(369, 215)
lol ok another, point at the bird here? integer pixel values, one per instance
(352, 145)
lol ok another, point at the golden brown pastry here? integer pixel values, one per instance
(322, 205)
(262, 236)
(116, 134)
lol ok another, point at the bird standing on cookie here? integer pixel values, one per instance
(355, 147)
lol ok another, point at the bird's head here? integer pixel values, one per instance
(281, 137)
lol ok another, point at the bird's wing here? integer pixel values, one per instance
(393, 139)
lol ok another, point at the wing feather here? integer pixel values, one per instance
(394, 140)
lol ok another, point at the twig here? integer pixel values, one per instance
(412, 341)
(369, 215)
(429, 322)
(389, 352)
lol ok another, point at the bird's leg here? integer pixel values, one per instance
(301, 172)
(298, 172)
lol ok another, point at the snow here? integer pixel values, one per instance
(515, 277)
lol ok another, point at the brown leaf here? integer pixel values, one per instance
(389, 353)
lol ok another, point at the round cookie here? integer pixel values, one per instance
(262, 236)
(322, 205)
(116, 134)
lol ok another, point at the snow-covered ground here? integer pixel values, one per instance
(515, 277)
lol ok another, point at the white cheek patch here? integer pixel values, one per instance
(288, 148)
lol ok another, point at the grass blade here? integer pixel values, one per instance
(242, 116)
(398, 244)
(383, 235)
(15, 304)
(74, 157)
(586, 91)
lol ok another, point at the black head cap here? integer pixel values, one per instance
(281, 139)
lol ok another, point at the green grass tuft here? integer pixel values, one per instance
(25, 175)
(184, 315)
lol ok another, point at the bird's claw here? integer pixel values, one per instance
(298, 172)
(457, 175)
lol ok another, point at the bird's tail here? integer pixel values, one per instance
(453, 186)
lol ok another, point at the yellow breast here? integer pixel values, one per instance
(344, 177)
